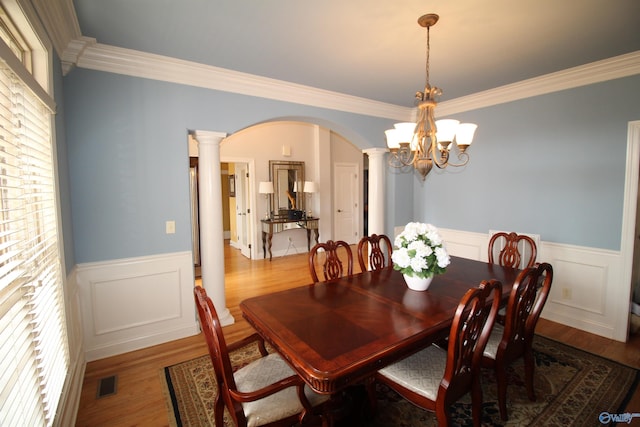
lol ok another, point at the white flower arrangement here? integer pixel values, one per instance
(419, 251)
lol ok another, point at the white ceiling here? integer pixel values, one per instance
(373, 48)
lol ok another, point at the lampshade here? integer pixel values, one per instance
(446, 129)
(265, 187)
(464, 135)
(401, 132)
(393, 138)
(310, 187)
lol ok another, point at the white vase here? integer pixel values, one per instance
(417, 283)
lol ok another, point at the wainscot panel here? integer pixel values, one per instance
(587, 291)
(133, 303)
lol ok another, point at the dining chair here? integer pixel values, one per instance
(332, 267)
(435, 378)
(504, 250)
(377, 250)
(514, 340)
(264, 392)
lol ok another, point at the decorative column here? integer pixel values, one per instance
(211, 229)
(376, 190)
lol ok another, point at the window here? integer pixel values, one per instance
(34, 355)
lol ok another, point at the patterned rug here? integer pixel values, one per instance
(572, 388)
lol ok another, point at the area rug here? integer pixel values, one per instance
(573, 388)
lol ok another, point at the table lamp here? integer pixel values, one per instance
(266, 188)
(310, 187)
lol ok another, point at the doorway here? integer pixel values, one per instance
(346, 196)
(242, 209)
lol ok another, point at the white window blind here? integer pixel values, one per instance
(34, 356)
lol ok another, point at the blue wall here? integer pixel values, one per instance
(128, 158)
(552, 165)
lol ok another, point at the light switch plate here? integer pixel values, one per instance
(170, 227)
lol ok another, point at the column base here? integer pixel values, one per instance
(226, 318)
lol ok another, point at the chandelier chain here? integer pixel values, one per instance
(427, 62)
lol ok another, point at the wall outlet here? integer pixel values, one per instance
(170, 227)
(566, 293)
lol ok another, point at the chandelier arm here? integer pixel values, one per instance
(394, 162)
(439, 159)
(401, 158)
(407, 157)
(464, 157)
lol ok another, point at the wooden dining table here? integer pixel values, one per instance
(337, 333)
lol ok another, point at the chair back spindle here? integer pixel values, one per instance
(332, 265)
(512, 250)
(377, 250)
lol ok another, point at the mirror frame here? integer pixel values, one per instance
(279, 196)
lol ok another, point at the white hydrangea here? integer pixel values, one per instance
(418, 263)
(419, 250)
(442, 257)
(401, 257)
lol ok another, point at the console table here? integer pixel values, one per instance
(270, 226)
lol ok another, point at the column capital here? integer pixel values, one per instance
(371, 152)
(204, 137)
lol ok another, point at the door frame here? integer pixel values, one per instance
(250, 200)
(629, 230)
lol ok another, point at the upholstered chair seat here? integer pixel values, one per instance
(421, 372)
(495, 338)
(283, 404)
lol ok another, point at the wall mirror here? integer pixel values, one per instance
(288, 180)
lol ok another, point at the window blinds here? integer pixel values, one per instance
(34, 356)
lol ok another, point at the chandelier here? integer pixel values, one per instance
(425, 143)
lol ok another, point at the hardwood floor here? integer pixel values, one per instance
(139, 400)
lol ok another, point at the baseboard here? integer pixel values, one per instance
(137, 343)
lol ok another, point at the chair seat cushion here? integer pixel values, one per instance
(261, 373)
(421, 372)
(495, 338)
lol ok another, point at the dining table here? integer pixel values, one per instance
(339, 332)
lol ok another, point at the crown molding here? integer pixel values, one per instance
(600, 71)
(157, 67)
(60, 21)
(86, 53)
(73, 51)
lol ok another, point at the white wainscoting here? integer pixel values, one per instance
(133, 303)
(587, 293)
(70, 400)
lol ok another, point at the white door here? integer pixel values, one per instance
(243, 208)
(346, 195)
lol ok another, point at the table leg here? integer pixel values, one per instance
(269, 238)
